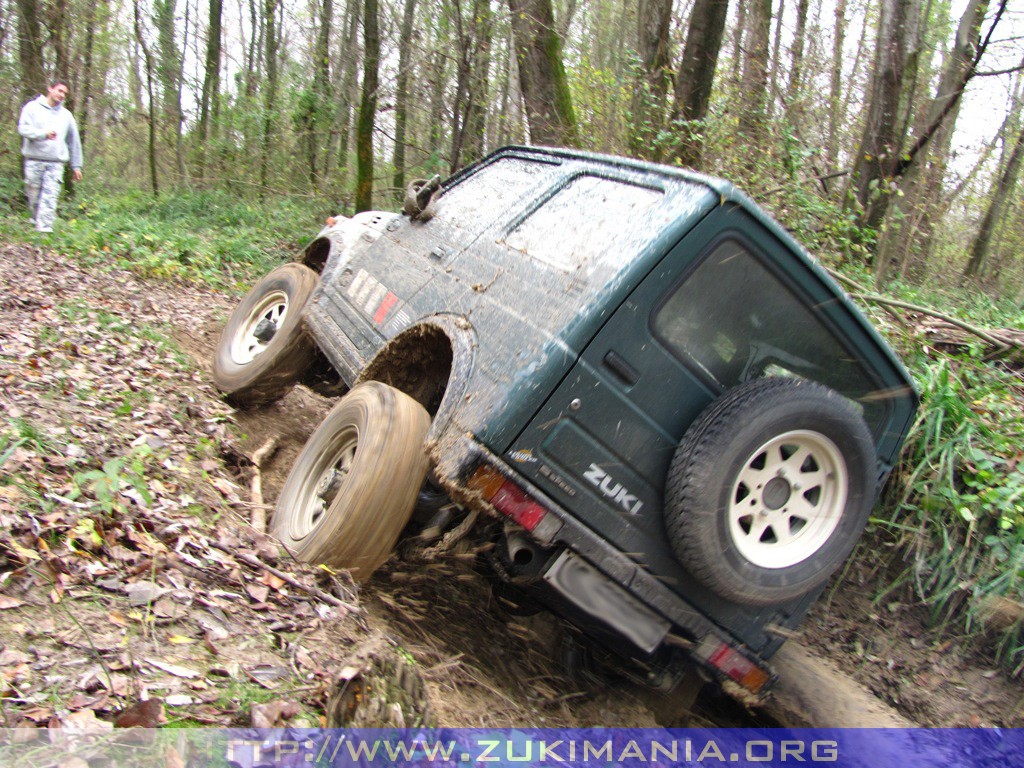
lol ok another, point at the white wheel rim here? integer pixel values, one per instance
(323, 484)
(246, 346)
(788, 499)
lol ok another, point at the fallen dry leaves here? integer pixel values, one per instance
(131, 589)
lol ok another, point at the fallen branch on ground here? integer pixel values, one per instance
(259, 511)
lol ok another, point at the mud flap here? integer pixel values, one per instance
(594, 593)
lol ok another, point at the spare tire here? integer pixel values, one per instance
(264, 348)
(770, 489)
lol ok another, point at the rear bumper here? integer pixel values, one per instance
(605, 584)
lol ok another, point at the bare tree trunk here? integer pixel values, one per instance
(542, 75)
(58, 13)
(402, 94)
(152, 100)
(319, 94)
(504, 118)
(438, 69)
(30, 48)
(179, 133)
(880, 169)
(209, 105)
(835, 95)
(879, 140)
(367, 108)
(462, 71)
(775, 70)
(654, 19)
(794, 88)
(910, 242)
(753, 117)
(481, 29)
(270, 91)
(349, 85)
(696, 76)
(96, 16)
(737, 42)
(1001, 193)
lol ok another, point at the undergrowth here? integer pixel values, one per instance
(956, 502)
(208, 236)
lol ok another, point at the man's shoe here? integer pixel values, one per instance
(44, 229)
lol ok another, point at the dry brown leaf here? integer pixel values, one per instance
(145, 714)
(13, 656)
(85, 720)
(272, 581)
(258, 593)
(37, 714)
(273, 714)
(173, 669)
(9, 602)
(303, 659)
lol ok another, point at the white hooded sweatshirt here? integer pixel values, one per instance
(38, 120)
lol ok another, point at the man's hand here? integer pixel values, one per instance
(77, 173)
(51, 135)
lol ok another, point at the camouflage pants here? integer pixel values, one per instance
(42, 188)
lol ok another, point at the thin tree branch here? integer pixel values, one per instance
(1018, 68)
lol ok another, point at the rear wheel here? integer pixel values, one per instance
(264, 348)
(353, 486)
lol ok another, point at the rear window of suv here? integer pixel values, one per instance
(735, 320)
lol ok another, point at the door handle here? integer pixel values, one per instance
(625, 372)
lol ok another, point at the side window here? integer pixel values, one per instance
(604, 220)
(478, 199)
(735, 320)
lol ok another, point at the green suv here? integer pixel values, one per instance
(675, 421)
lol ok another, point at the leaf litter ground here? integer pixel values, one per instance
(133, 589)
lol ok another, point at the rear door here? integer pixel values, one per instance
(603, 441)
(729, 303)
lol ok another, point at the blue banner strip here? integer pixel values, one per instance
(515, 748)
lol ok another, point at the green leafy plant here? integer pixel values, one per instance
(106, 484)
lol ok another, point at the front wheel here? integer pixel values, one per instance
(353, 486)
(264, 348)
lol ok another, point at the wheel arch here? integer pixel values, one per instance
(431, 362)
(315, 254)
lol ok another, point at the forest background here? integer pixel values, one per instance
(887, 135)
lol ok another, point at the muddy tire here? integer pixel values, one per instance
(264, 348)
(353, 486)
(770, 489)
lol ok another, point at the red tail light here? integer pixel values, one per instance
(507, 497)
(734, 664)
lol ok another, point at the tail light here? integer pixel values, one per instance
(733, 664)
(507, 497)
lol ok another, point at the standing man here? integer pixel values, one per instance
(49, 140)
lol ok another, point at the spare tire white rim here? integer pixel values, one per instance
(788, 499)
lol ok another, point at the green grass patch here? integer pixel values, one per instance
(956, 505)
(209, 236)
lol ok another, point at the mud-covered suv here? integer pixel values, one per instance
(680, 419)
